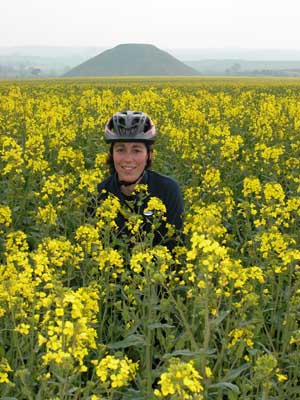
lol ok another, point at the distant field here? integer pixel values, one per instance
(82, 318)
(136, 82)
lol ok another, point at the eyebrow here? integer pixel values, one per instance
(136, 145)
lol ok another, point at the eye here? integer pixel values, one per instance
(138, 149)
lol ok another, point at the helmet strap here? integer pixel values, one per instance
(126, 183)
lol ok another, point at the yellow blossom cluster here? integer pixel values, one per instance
(5, 369)
(66, 329)
(108, 212)
(47, 214)
(115, 372)
(251, 185)
(10, 156)
(155, 205)
(237, 335)
(155, 262)
(5, 217)
(180, 381)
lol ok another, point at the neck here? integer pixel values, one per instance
(128, 187)
(127, 190)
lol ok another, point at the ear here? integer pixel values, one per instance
(151, 154)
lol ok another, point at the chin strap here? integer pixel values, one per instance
(126, 183)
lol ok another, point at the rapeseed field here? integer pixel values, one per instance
(84, 315)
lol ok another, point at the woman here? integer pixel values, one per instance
(131, 136)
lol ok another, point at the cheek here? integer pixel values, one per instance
(143, 159)
(116, 157)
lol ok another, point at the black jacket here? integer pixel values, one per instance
(158, 185)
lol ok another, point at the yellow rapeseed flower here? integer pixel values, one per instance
(5, 369)
(181, 380)
(116, 372)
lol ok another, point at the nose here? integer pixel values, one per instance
(127, 156)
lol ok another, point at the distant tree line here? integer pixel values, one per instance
(28, 71)
(236, 70)
(21, 71)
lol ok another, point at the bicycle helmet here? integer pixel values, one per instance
(130, 126)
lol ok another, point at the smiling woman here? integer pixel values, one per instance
(130, 160)
(131, 135)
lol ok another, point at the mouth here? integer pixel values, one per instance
(128, 168)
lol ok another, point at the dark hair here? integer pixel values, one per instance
(110, 160)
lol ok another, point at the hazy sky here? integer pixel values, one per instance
(164, 23)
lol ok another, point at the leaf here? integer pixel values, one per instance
(9, 398)
(184, 352)
(234, 373)
(157, 325)
(132, 340)
(131, 394)
(216, 321)
(225, 385)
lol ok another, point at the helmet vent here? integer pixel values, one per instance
(130, 126)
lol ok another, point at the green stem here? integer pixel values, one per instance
(148, 355)
(265, 394)
(16, 345)
(179, 306)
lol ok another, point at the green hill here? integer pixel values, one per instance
(132, 60)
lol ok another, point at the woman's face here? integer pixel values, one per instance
(130, 159)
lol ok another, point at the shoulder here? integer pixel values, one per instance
(105, 184)
(165, 187)
(162, 182)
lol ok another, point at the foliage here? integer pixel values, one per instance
(85, 314)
